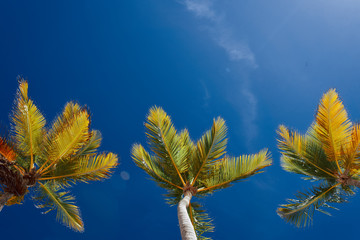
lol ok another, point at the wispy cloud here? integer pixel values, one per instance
(201, 8)
(238, 52)
(249, 114)
(220, 31)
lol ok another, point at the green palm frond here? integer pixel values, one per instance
(303, 155)
(27, 125)
(189, 148)
(233, 169)
(166, 143)
(52, 197)
(83, 169)
(67, 138)
(300, 211)
(153, 166)
(210, 148)
(173, 196)
(200, 220)
(332, 127)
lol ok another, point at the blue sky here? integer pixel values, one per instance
(255, 63)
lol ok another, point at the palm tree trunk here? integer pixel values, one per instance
(4, 198)
(186, 227)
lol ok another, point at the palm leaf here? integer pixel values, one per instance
(189, 148)
(66, 118)
(28, 124)
(350, 153)
(83, 169)
(332, 127)
(200, 220)
(91, 146)
(304, 155)
(210, 148)
(233, 169)
(300, 211)
(153, 166)
(166, 143)
(67, 138)
(52, 197)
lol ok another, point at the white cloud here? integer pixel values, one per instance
(238, 51)
(249, 114)
(201, 8)
(220, 32)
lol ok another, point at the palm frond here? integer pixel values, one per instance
(350, 153)
(189, 148)
(52, 197)
(83, 169)
(332, 127)
(233, 169)
(166, 143)
(67, 138)
(66, 118)
(303, 155)
(27, 124)
(200, 220)
(300, 211)
(6, 150)
(153, 166)
(91, 146)
(15, 200)
(210, 148)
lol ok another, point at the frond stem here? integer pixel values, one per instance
(333, 145)
(202, 165)
(312, 201)
(31, 143)
(54, 199)
(229, 181)
(71, 175)
(172, 160)
(172, 184)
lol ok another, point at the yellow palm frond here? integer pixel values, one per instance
(333, 128)
(83, 169)
(351, 151)
(66, 118)
(233, 169)
(302, 155)
(28, 124)
(210, 148)
(71, 135)
(166, 143)
(52, 197)
(91, 146)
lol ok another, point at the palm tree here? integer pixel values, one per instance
(186, 169)
(328, 153)
(47, 161)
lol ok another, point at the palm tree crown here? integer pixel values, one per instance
(47, 161)
(328, 153)
(180, 165)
